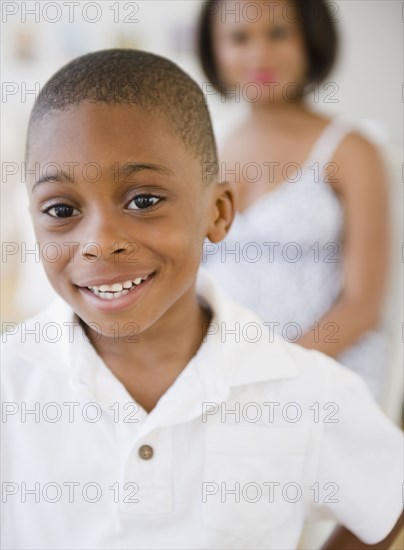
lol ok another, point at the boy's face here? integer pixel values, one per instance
(121, 199)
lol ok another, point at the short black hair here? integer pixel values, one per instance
(119, 76)
(319, 31)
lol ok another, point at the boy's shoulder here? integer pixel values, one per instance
(295, 370)
(248, 352)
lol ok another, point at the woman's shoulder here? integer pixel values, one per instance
(356, 148)
(352, 138)
(357, 158)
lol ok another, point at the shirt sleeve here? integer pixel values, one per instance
(360, 469)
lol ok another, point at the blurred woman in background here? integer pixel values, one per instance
(309, 248)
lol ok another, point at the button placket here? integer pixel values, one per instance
(149, 466)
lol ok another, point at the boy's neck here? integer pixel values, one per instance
(149, 366)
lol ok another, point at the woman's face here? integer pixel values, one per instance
(259, 46)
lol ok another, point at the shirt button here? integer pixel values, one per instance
(145, 452)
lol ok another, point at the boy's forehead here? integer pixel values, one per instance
(99, 121)
(99, 132)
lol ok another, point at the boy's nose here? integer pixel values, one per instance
(105, 240)
(93, 251)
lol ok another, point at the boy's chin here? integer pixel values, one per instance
(122, 332)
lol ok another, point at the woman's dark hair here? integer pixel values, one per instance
(319, 32)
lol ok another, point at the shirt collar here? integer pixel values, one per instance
(231, 355)
(238, 343)
(236, 348)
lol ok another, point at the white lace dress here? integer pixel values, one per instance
(282, 259)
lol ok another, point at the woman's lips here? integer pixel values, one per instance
(263, 76)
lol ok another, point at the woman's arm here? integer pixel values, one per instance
(361, 183)
(342, 539)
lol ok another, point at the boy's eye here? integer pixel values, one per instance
(61, 211)
(141, 202)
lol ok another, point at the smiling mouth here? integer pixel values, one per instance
(116, 290)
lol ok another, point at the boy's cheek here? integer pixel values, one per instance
(58, 260)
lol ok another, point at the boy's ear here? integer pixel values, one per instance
(223, 210)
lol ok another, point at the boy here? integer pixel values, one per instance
(143, 409)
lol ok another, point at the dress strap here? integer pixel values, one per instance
(329, 141)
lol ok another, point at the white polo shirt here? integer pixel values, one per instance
(253, 438)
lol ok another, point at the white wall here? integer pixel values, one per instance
(370, 69)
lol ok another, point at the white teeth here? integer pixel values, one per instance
(117, 287)
(116, 290)
(103, 288)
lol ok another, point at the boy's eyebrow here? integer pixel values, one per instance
(59, 176)
(131, 168)
(127, 169)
